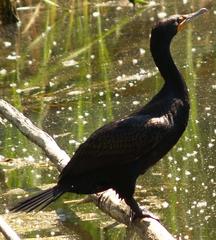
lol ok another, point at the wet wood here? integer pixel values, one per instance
(147, 228)
(7, 231)
(8, 14)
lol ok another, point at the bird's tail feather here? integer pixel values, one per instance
(39, 201)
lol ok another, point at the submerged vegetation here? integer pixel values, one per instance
(72, 66)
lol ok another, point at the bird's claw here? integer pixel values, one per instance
(144, 213)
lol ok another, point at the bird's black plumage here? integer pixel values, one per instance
(117, 153)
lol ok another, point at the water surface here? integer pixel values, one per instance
(71, 69)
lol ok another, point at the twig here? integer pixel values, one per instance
(7, 231)
(147, 228)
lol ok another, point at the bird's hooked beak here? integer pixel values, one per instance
(189, 17)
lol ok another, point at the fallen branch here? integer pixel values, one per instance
(7, 231)
(147, 228)
(34, 134)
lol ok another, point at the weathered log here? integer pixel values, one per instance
(147, 228)
(7, 231)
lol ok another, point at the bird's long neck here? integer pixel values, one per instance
(173, 79)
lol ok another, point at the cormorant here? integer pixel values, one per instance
(118, 152)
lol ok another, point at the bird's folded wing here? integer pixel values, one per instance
(118, 143)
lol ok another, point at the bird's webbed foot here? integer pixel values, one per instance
(136, 212)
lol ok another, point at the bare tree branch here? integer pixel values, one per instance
(34, 134)
(7, 231)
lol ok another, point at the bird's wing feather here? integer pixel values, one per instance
(118, 143)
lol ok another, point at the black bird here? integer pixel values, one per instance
(117, 153)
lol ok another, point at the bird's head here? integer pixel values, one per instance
(167, 28)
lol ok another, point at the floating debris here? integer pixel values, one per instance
(136, 103)
(88, 76)
(12, 57)
(162, 14)
(96, 14)
(134, 61)
(101, 94)
(201, 204)
(7, 44)
(210, 145)
(187, 173)
(120, 62)
(142, 51)
(165, 204)
(69, 63)
(3, 72)
(75, 92)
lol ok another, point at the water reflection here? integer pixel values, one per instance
(72, 71)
